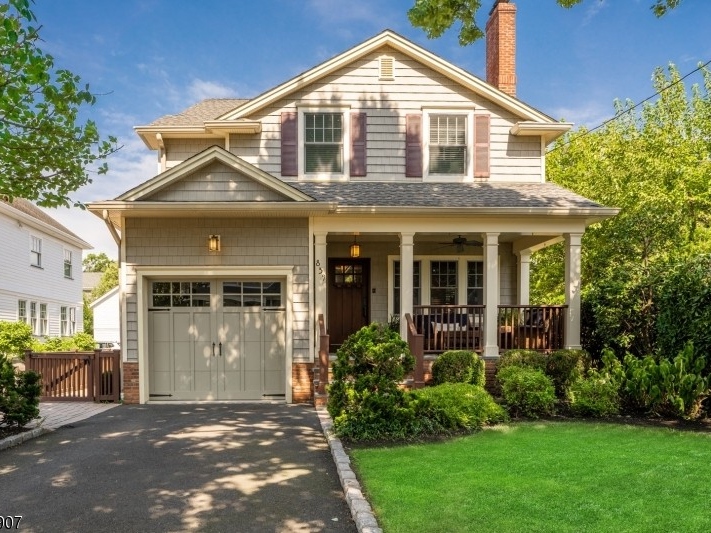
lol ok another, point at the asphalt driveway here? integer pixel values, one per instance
(220, 467)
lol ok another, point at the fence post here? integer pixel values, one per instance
(95, 362)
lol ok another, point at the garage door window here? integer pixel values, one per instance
(181, 293)
(251, 294)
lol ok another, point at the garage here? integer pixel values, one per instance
(216, 339)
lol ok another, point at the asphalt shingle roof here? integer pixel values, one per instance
(197, 114)
(418, 194)
(32, 210)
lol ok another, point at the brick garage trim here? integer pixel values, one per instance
(302, 383)
(130, 374)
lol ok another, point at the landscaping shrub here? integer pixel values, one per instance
(596, 395)
(15, 338)
(663, 387)
(454, 407)
(19, 394)
(527, 391)
(81, 342)
(365, 399)
(527, 358)
(458, 366)
(564, 367)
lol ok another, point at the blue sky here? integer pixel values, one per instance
(148, 58)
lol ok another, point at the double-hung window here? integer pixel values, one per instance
(416, 285)
(448, 144)
(44, 321)
(22, 311)
(63, 321)
(36, 252)
(33, 318)
(323, 142)
(72, 320)
(475, 283)
(68, 264)
(443, 282)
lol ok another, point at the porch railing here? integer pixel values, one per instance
(416, 343)
(449, 327)
(532, 327)
(461, 327)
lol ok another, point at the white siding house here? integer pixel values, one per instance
(107, 322)
(40, 271)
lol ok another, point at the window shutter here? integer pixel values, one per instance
(359, 166)
(289, 148)
(413, 146)
(481, 146)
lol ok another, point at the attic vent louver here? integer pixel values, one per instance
(387, 68)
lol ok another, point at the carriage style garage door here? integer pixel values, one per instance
(216, 340)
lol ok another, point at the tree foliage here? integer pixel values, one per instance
(45, 151)
(97, 262)
(108, 281)
(437, 16)
(654, 163)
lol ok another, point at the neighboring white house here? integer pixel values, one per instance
(40, 271)
(384, 181)
(107, 322)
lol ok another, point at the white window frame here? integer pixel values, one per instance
(346, 139)
(22, 311)
(468, 174)
(425, 282)
(35, 251)
(34, 322)
(72, 321)
(68, 263)
(63, 322)
(43, 320)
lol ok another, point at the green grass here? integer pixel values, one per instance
(543, 476)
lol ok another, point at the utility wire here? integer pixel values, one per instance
(605, 123)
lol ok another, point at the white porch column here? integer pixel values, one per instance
(320, 277)
(524, 276)
(572, 289)
(407, 245)
(491, 294)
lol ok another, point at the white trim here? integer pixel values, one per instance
(468, 112)
(38, 225)
(145, 273)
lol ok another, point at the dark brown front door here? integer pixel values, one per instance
(348, 297)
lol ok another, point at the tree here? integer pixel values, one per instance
(107, 282)
(655, 165)
(97, 262)
(437, 16)
(45, 151)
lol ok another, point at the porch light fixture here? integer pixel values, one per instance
(213, 243)
(355, 247)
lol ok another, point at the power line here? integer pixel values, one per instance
(660, 91)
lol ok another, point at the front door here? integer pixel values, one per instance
(348, 297)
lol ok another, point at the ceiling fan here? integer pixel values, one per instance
(460, 243)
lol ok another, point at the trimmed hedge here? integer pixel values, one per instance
(526, 391)
(458, 366)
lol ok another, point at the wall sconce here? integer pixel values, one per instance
(355, 247)
(213, 243)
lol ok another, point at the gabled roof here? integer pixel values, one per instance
(203, 111)
(33, 215)
(403, 45)
(104, 297)
(204, 158)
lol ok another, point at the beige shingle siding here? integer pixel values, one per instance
(216, 183)
(178, 150)
(245, 242)
(386, 104)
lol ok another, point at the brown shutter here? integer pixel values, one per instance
(481, 146)
(359, 166)
(289, 148)
(413, 146)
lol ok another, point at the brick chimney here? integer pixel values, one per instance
(501, 47)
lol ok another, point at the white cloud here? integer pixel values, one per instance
(593, 10)
(202, 89)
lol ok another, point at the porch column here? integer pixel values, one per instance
(407, 245)
(491, 294)
(320, 277)
(524, 275)
(572, 289)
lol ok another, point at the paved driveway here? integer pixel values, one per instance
(224, 467)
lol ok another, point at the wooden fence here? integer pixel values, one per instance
(78, 376)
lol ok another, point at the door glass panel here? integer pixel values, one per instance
(232, 287)
(180, 293)
(252, 287)
(251, 294)
(180, 300)
(232, 301)
(201, 287)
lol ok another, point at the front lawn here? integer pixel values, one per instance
(543, 476)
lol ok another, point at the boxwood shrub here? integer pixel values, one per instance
(458, 366)
(526, 391)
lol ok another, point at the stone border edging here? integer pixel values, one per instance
(14, 440)
(360, 508)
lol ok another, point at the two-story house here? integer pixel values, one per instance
(40, 271)
(384, 183)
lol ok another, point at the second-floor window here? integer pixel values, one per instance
(36, 252)
(448, 144)
(68, 264)
(323, 142)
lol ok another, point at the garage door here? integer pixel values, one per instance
(216, 340)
